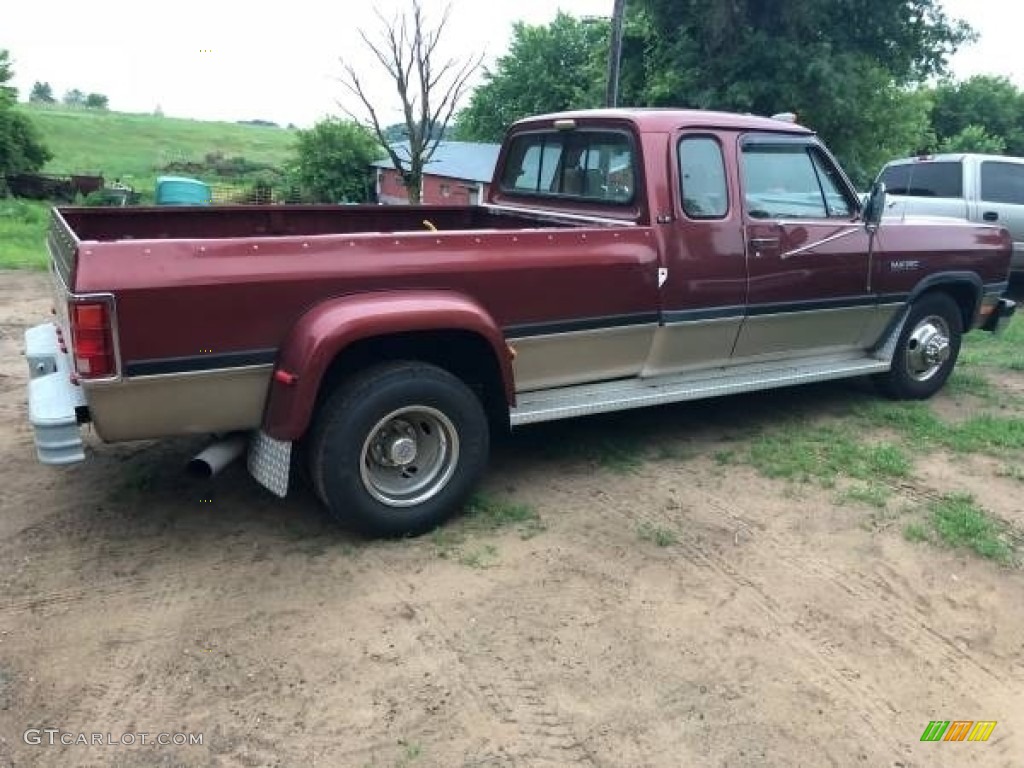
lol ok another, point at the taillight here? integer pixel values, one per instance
(92, 339)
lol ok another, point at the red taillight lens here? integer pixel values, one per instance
(92, 339)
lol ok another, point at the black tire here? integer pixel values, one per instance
(393, 413)
(923, 361)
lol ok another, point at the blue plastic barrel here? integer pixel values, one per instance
(178, 190)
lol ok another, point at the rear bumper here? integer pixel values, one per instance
(52, 398)
(1000, 317)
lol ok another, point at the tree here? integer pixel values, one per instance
(21, 148)
(429, 89)
(973, 138)
(846, 67)
(74, 98)
(547, 69)
(992, 104)
(41, 93)
(96, 101)
(8, 94)
(332, 161)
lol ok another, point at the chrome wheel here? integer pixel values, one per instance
(928, 348)
(409, 456)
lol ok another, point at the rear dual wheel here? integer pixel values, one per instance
(398, 448)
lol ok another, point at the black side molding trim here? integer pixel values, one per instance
(781, 308)
(840, 302)
(527, 330)
(707, 313)
(202, 362)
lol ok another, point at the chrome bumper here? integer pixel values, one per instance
(52, 398)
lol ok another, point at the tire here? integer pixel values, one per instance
(926, 351)
(397, 449)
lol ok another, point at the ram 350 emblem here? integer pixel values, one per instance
(904, 266)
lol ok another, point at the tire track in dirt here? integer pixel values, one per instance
(866, 587)
(542, 736)
(519, 702)
(830, 667)
(53, 533)
(70, 596)
(109, 694)
(873, 584)
(911, 631)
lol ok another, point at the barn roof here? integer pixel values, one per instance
(464, 160)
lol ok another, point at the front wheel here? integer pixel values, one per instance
(926, 351)
(398, 448)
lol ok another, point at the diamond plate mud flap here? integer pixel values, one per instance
(269, 462)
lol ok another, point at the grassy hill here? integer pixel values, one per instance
(134, 148)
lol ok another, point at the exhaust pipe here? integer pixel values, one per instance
(215, 457)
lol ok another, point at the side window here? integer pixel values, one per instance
(1002, 182)
(705, 193)
(780, 182)
(924, 179)
(593, 166)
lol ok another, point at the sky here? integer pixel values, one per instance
(233, 60)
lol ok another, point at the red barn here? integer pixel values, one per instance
(459, 173)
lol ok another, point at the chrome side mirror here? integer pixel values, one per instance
(875, 206)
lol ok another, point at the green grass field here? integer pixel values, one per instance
(133, 148)
(23, 234)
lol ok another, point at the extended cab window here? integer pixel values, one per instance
(924, 179)
(1002, 182)
(702, 178)
(595, 166)
(792, 181)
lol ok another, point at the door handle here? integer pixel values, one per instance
(761, 243)
(990, 216)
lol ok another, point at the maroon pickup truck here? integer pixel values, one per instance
(624, 258)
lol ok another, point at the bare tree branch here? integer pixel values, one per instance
(406, 47)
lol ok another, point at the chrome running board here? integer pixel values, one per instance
(619, 395)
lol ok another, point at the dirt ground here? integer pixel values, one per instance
(775, 627)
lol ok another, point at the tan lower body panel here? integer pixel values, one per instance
(560, 360)
(768, 336)
(199, 402)
(563, 359)
(691, 345)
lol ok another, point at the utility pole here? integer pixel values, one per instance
(611, 98)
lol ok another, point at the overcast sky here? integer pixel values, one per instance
(233, 60)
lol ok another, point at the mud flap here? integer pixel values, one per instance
(269, 462)
(886, 349)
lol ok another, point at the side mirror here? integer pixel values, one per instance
(874, 207)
